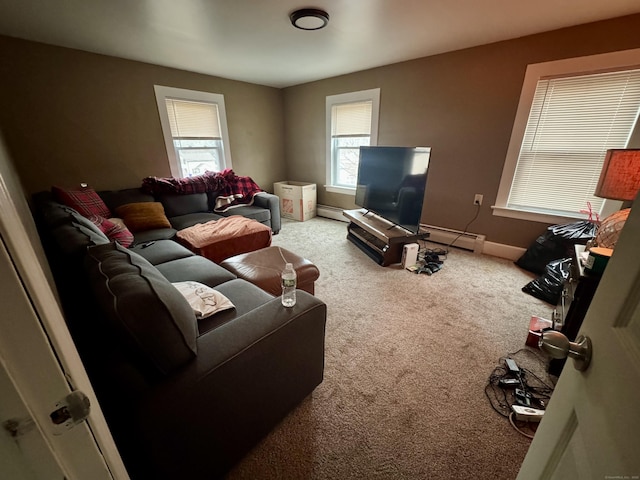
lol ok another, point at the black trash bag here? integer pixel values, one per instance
(577, 233)
(548, 287)
(546, 248)
(556, 243)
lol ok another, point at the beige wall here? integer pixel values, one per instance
(70, 116)
(462, 104)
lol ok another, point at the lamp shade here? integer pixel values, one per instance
(620, 175)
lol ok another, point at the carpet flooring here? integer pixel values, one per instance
(407, 361)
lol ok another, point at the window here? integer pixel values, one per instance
(195, 130)
(556, 152)
(352, 122)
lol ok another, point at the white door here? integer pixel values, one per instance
(39, 364)
(25, 452)
(591, 429)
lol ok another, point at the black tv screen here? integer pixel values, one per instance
(391, 183)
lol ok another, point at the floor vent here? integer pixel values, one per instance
(331, 212)
(465, 240)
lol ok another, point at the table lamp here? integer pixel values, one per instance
(619, 180)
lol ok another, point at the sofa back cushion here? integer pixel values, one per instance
(146, 310)
(183, 204)
(115, 198)
(71, 232)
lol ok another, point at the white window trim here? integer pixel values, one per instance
(190, 95)
(362, 96)
(579, 65)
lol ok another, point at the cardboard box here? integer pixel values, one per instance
(297, 199)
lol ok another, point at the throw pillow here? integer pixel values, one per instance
(204, 300)
(115, 229)
(142, 216)
(85, 201)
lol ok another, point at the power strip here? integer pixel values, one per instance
(527, 414)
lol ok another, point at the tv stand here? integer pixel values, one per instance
(378, 238)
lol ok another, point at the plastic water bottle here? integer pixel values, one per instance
(289, 286)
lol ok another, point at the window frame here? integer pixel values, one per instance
(372, 95)
(162, 93)
(574, 66)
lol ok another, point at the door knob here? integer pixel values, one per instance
(558, 346)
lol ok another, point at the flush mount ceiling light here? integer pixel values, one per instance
(309, 19)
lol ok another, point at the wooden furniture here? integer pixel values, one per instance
(378, 238)
(574, 302)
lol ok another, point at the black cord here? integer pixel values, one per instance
(465, 229)
(433, 258)
(502, 398)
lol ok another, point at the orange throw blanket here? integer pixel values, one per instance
(229, 236)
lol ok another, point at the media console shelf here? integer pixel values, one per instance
(377, 237)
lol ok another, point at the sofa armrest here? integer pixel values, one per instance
(247, 376)
(272, 202)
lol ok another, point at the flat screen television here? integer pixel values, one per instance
(392, 182)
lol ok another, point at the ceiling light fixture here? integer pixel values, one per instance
(309, 19)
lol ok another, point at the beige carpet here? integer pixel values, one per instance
(407, 361)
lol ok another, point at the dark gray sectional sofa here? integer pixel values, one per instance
(184, 398)
(186, 210)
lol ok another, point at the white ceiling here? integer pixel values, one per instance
(253, 40)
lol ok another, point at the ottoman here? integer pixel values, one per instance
(263, 268)
(226, 237)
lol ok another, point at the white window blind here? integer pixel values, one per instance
(193, 119)
(572, 123)
(353, 119)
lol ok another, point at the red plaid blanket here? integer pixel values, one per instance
(232, 190)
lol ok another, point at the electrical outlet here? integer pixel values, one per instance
(477, 200)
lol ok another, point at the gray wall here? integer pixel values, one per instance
(70, 116)
(462, 104)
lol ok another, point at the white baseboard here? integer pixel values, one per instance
(477, 243)
(331, 212)
(503, 251)
(456, 238)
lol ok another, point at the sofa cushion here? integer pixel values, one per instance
(150, 314)
(190, 219)
(260, 214)
(116, 198)
(161, 251)
(53, 214)
(142, 216)
(85, 201)
(196, 268)
(204, 300)
(244, 295)
(140, 238)
(74, 237)
(175, 205)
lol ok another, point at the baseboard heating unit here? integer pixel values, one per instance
(467, 241)
(331, 212)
